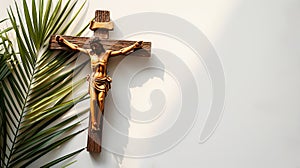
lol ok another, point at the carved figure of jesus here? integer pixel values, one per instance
(99, 81)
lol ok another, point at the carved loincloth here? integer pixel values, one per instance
(102, 84)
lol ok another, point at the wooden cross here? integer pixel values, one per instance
(101, 84)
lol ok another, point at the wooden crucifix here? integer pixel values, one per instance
(100, 49)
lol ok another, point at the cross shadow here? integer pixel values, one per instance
(119, 115)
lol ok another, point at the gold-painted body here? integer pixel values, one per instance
(99, 81)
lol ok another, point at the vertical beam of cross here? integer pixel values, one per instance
(95, 138)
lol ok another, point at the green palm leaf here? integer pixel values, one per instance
(36, 92)
(5, 51)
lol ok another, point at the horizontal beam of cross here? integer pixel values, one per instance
(115, 45)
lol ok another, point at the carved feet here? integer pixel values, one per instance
(95, 127)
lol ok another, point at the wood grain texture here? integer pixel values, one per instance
(102, 16)
(94, 138)
(107, 44)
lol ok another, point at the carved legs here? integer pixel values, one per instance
(94, 108)
(101, 98)
(97, 107)
(96, 120)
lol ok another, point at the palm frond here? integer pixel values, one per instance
(36, 84)
(5, 50)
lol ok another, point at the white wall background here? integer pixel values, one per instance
(258, 45)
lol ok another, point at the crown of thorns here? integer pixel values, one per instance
(95, 40)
